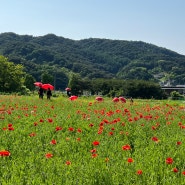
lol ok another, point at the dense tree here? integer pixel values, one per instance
(29, 82)
(47, 78)
(139, 73)
(11, 78)
(76, 84)
(115, 87)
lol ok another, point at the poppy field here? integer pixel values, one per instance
(90, 142)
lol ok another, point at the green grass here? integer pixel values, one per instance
(112, 124)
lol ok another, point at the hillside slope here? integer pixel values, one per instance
(93, 58)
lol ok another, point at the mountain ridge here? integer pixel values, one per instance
(94, 57)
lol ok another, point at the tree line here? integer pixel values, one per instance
(14, 79)
(116, 87)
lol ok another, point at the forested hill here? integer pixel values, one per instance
(93, 58)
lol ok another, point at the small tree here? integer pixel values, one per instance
(11, 78)
(76, 84)
(47, 78)
(176, 95)
(29, 82)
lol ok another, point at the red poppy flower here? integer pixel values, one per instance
(175, 170)
(180, 123)
(96, 143)
(4, 153)
(118, 119)
(100, 131)
(10, 128)
(169, 160)
(155, 139)
(94, 155)
(179, 142)
(50, 120)
(140, 115)
(68, 162)
(32, 134)
(182, 127)
(183, 173)
(35, 123)
(53, 142)
(123, 124)
(154, 128)
(49, 155)
(139, 172)
(90, 103)
(71, 129)
(9, 112)
(130, 160)
(58, 128)
(136, 118)
(126, 110)
(91, 125)
(105, 121)
(10, 125)
(79, 130)
(111, 133)
(126, 147)
(101, 124)
(93, 150)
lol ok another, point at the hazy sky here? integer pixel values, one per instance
(159, 22)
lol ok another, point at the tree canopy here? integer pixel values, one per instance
(11, 78)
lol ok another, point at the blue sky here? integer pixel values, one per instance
(159, 22)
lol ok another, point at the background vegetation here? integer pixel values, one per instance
(108, 67)
(14, 79)
(92, 58)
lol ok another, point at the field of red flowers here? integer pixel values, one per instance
(86, 141)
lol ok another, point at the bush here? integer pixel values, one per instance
(176, 96)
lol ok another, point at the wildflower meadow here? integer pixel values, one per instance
(89, 142)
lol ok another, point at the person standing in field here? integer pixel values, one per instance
(49, 94)
(69, 93)
(41, 92)
(131, 101)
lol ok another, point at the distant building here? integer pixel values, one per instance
(178, 88)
